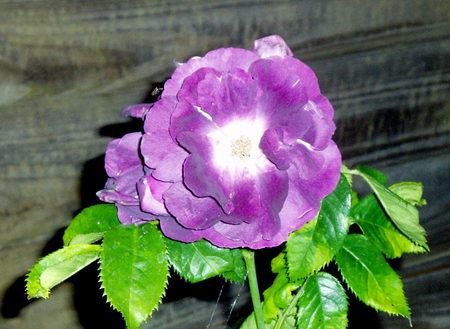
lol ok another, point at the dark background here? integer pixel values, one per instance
(67, 68)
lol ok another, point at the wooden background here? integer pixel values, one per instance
(67, 68)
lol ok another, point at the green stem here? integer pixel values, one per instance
(249, 257)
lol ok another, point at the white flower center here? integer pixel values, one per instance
(236, 147)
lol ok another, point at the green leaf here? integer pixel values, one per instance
(372, 220)
(134, 270)
(402, 213)
(323, 303)
(373, 173)
(347, 174)
(370, 277)
(239, 272)
(91, 224)
(409, 191)
(355, 198)
(316, 243)
(279, 263)
(58, 266)
(200, 260)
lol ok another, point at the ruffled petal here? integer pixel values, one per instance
(190, 119)
(150, 193)
(325, 181)
(136, 111)
(122, 155)
(246, 201)
(222, 60)
(320, 128)
(133, 215)
(122, 189)
(190, 211)
(173, 230)
(220, 97)
(200, 175)
(272, 146)
(270, 46)
(158, 149)
(305, 195)
(260, 202)
(307, 161)
(291, 99)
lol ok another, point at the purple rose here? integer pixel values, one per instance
(237, 151)
(125, 169)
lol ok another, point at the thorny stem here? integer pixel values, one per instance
(249, 257)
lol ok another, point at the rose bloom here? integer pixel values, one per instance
(236, 151)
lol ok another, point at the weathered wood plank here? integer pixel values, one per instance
(68, 67)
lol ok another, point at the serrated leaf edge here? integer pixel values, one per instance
(46, 291)
(321, 296)
(67, 242)
(100, 280)
(373, 306)
(156, 307)
(372, 185)
(421, 249)
(313, 272)
(186, 279)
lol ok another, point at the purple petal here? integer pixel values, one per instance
(254, 197)
(321, 128)
(271, 190)
(150, 193)
(290, 93)
(126, 183)
(325, 181)
(190, 211)
(233, 236)
(158, 149)
(326, 109)
(200, 174)
(122, 155)
(307, 161)
(188, 119)
(221, 97)
(136, 111)
(245, 235)
(303, 201)
(112, 196)
(122, 189)
(293, 79)
(222, 60)
(133, 215)
(246, 201)
(200, 84)
(273, 186)
(272, 45)
(173, 230)
(272, 146)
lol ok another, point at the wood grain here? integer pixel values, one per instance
(67, 68)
